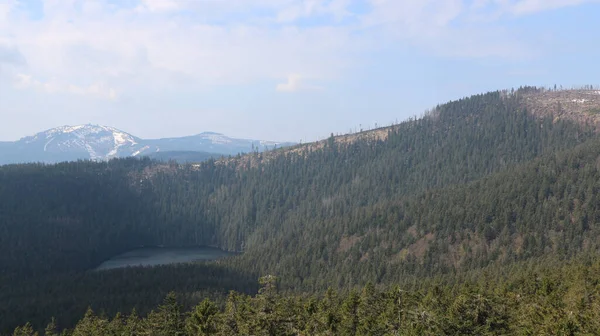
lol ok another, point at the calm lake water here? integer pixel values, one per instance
(151, 256)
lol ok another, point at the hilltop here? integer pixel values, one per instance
(578, 105)
(582, 106)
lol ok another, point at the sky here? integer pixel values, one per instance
(286, 70)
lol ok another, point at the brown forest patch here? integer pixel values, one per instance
(581, 106)
(346, 243)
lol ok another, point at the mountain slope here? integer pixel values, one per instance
(74, 142)
(92, 142)
(214, 143)
(183, 156)
(480, 181)
(232, 205)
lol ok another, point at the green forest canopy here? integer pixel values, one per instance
(480, 182)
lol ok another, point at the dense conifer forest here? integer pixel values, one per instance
(536, 299)
(478, 218)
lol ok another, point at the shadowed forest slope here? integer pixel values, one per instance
(476, 182)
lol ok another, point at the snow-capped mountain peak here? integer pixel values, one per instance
(215, 138)
(99, 142)
(96, 142)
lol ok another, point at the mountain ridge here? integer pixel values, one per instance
(98, 142)
(478, 183)
(578, 105)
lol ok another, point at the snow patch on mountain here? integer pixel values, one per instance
(120, 139)
(47, 143)
(215, 138)
(92, 152)
(94, 142)
(70, 129)
(137, 152)
(100, 142)
(269, 143)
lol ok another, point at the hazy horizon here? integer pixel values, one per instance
(124, 130)
(285, 70)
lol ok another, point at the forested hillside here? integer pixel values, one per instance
(547, 299)
(479, 182)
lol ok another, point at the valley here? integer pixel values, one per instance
(453, 223)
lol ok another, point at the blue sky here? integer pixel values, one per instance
(276, 69)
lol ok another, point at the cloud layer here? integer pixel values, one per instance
(108, 47)
(281, 69)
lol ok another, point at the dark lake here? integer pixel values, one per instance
(152, 256)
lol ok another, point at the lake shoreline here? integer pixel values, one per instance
(148, 256)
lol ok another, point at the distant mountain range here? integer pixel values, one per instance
(94, 142)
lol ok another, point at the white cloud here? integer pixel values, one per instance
(296, 83)
(533, 6)
(98, 90)
(526, 7)
(307, 8)
(127, 48)
(164, 43)
(474, 29)
(129, 61)
(443, 28)
(10, 55)
(161, 5)
(6, 8)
